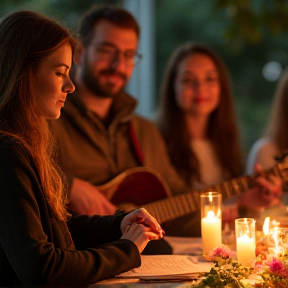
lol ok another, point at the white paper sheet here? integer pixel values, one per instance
(168, 267)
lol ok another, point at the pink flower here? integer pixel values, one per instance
(276, 266)
(223, 252)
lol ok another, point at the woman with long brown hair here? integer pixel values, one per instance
(275, 139)
(197, 117)
(198, 122)
(41, 243)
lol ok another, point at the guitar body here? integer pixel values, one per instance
(139, 186)
(142, 186)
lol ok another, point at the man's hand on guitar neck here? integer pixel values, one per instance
(267, 192)
(88, 200)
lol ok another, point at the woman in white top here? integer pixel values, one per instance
(198, 122)
(275, 140)
(197, 117)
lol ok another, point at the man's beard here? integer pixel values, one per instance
(94, 85)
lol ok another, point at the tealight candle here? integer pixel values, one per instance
(211, 221)
(278, 240)
(245, 241)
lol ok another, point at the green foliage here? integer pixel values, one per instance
(67, 10)
(254, 19)
(226, 276)
(246, 33)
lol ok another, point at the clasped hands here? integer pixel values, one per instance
(140, 227)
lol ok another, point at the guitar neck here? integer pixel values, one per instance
(179, 205)
(174, 206)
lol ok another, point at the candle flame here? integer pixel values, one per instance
(210, 214)
(210, 197)
(266, 226)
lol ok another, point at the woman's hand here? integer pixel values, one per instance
(140, 227)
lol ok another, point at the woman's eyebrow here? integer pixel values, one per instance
(61, 65)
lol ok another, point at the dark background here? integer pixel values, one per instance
(248, 34)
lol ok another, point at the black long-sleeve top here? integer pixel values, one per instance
(36, 249)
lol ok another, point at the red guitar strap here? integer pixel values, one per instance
(135, 143)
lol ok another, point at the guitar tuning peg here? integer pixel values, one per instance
(280, 159)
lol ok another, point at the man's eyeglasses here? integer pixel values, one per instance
(111, 53)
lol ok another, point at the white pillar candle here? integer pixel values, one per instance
(211, 232)
(266, 226)
(246, 250)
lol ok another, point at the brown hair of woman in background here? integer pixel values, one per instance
(217, 123)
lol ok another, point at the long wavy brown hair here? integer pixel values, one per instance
(222, 127)
(277, 128)
(26, 39)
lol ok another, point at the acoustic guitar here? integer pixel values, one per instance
(142, 186)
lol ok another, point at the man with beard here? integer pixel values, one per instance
(98, 134)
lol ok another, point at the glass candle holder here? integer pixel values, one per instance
(211, 221)
(245, 241)
(277, 241)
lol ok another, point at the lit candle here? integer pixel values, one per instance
(266, 226)
(246, 250)
(274, 247)
(211, 232)
(274, 235)
(245, 241)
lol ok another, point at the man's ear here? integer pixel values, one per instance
(77, 57)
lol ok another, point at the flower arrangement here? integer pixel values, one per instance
(228, 275)
(226, 272)
(271, 272)
(275, 272)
